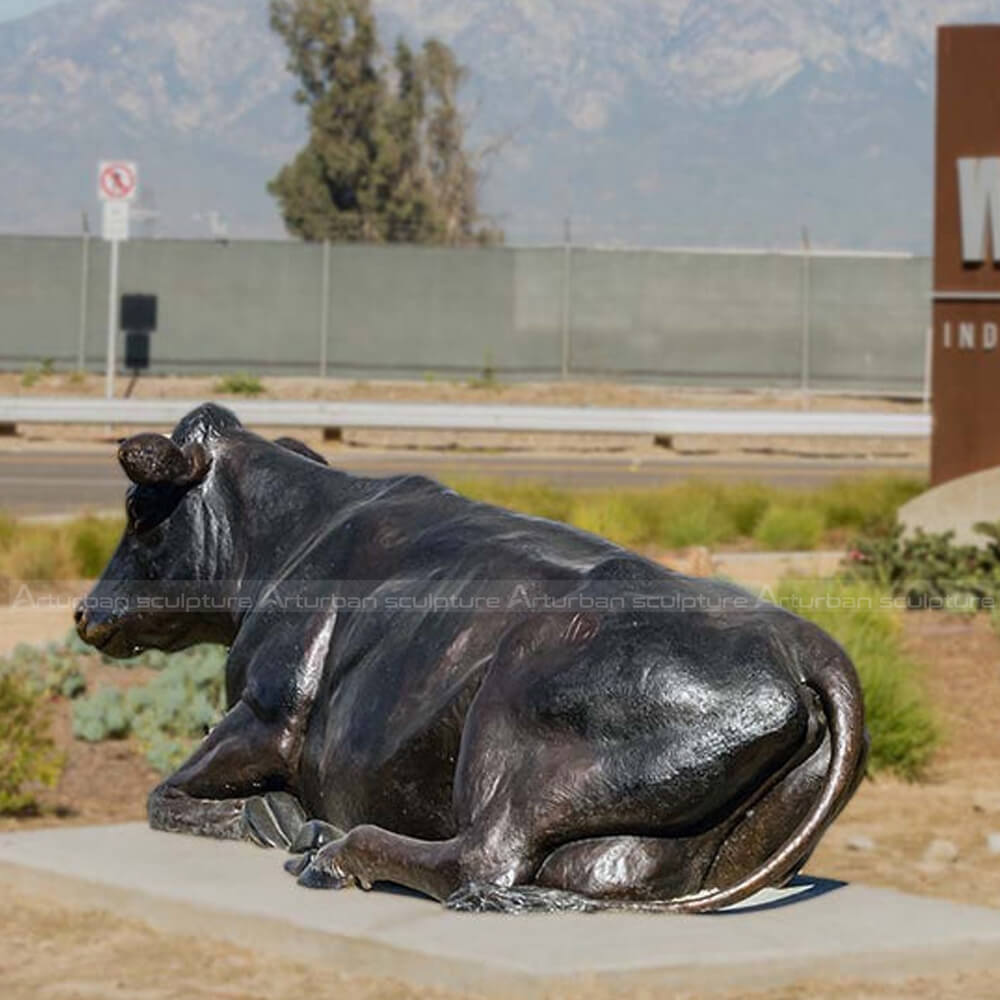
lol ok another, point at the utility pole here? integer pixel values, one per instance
(117, 183)
(81, 335)
(567, 300)
(806, 317)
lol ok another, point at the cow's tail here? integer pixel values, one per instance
(836, 683)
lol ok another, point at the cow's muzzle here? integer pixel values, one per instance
(95, 633)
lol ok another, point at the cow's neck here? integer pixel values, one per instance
(281, 509)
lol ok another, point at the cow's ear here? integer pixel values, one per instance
(152, 459)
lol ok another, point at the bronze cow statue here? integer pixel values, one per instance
(502, 712)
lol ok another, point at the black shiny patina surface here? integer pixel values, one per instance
(511, 752)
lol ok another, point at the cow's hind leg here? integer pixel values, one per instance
(502, 860)
(601, 873)
(649, 872)
(544, 764)
(499, 866)
(369, 854)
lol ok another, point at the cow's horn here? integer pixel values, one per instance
(149, 459)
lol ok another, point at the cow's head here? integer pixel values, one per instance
(168, 582)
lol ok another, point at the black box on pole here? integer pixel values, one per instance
(136, 349)
(138, 312)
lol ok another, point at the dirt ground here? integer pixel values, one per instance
(54, 953)
(569, 393)
(959, 800)
(34, 626)
(881, 839)
(126, 778)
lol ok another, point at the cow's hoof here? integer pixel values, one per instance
(273, 820)
(315, 877)
(313, 835)
(333, 866)
(298, 864)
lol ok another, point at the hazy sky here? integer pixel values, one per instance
(15, 8)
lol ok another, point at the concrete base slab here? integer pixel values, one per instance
(239, 893)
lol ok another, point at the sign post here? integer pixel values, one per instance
(117, 183)
(966, 322)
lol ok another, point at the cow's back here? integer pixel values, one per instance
(448, 582)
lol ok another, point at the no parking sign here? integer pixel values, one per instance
(117, 180)
(117, 184)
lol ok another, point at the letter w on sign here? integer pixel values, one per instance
(979, 203)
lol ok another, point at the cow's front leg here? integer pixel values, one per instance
(233, 786)
(273, 819)
(369, 854)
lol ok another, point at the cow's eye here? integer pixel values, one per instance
(148, 506)
(131, 511)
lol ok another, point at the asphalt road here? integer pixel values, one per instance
(56, 482)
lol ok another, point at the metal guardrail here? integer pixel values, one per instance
(449, 416)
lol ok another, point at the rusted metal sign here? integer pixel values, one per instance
(966, 319)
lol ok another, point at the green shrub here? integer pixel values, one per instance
(66, 679)
(694, 524)
(930, 570)
(903, 729)
(25, 655)
(693, 513)
(486, 380)
(240, 384)
(73, 644)
(789, 528)
(526, 496)
(27, 754)
(8, 529)
(867, 504)
(30, 377)
(177, 709)
(169, 715)
(703, 513)
(38, 552)
(101, 716)
(628, 518)
(48, 671)
(93, 541)
(78, 548)
(743, 505)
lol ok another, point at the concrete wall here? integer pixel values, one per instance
(740, 319)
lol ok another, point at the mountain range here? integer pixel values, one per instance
(648, 122)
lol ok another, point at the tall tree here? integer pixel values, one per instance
(385, 159)
(406, 201)
(327, 191)
(454, 179)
